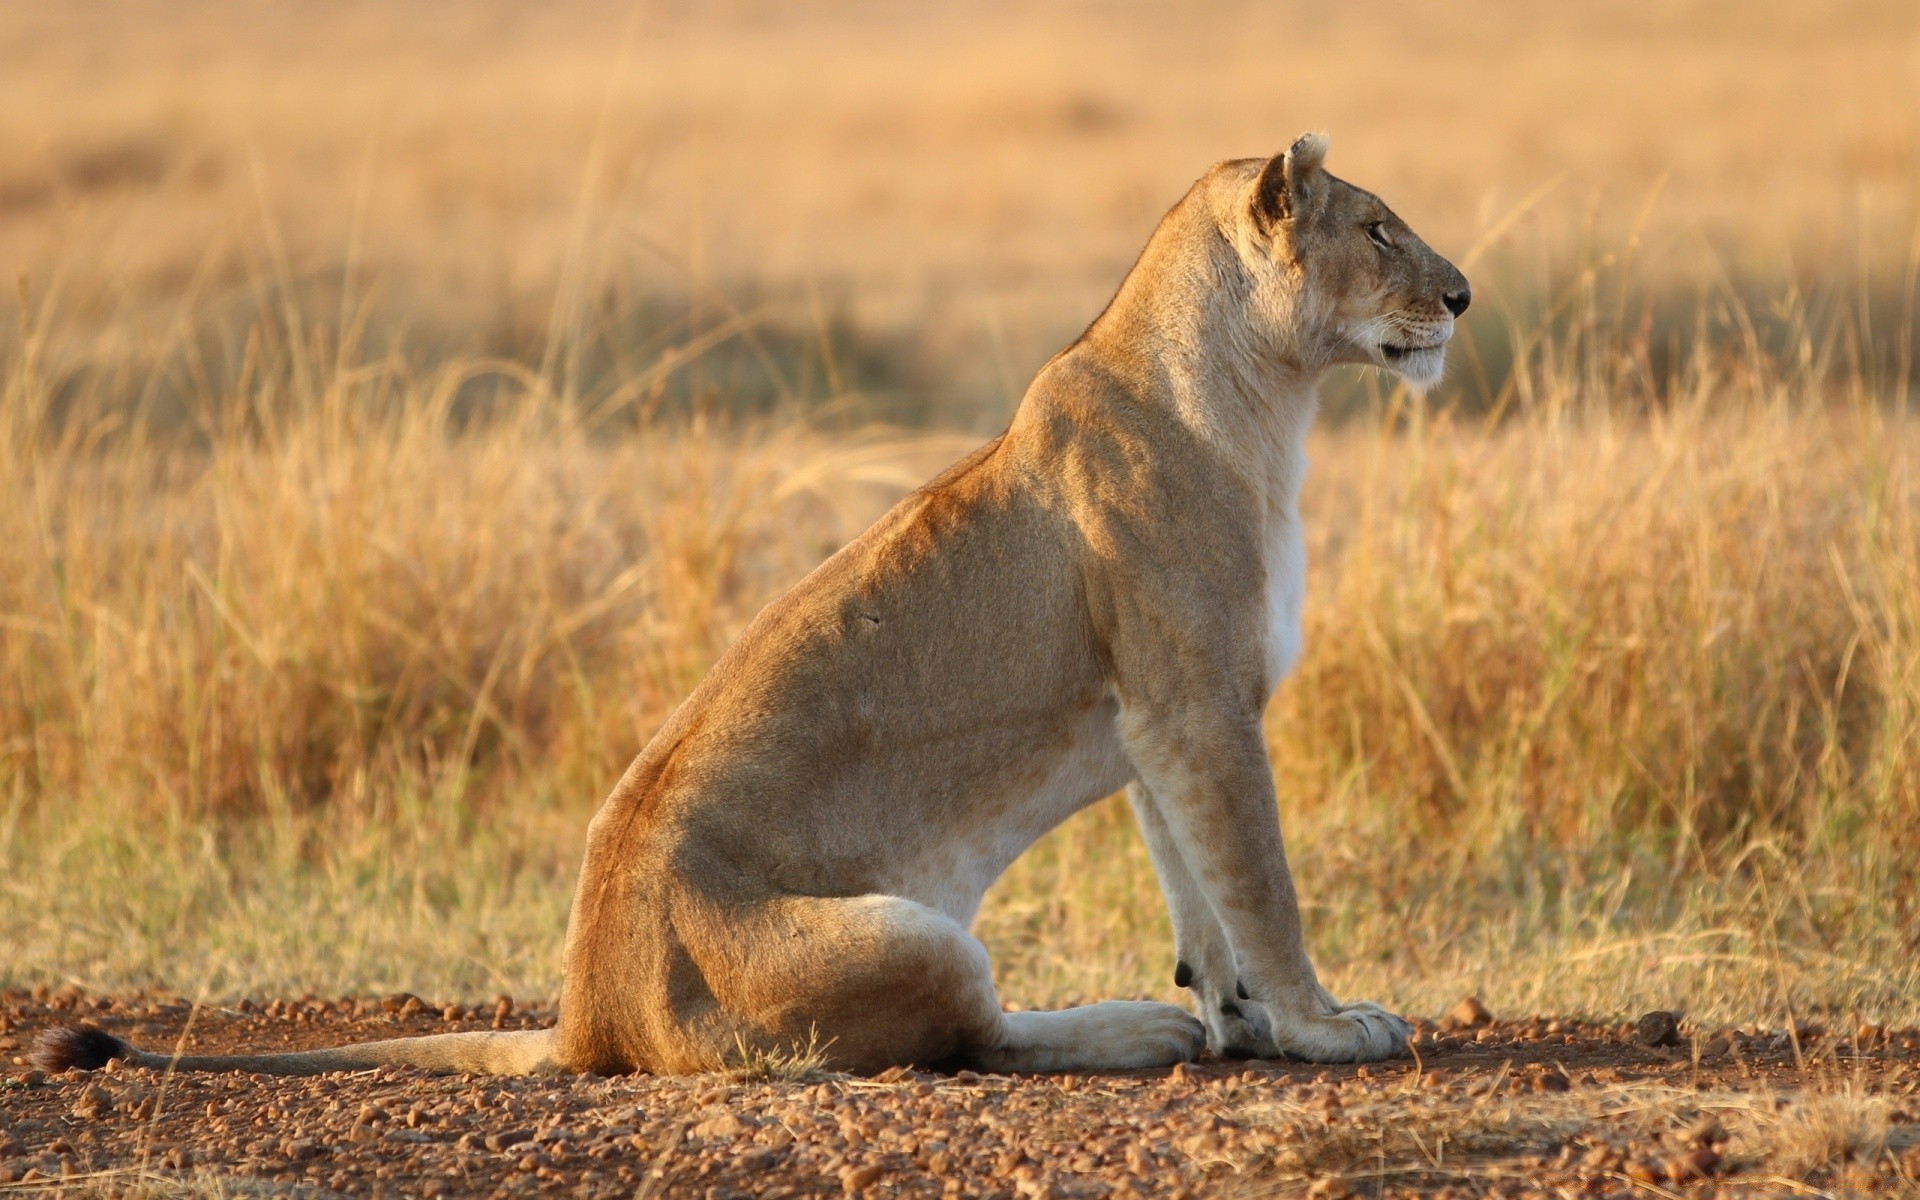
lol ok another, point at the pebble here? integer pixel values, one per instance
(93, 1102)
(854, 1180)
(511, 1137)
(1468, 1014)
(1658, 1028)
(725, 1125)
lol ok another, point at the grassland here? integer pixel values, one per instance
(399, 412)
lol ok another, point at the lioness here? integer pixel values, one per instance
(1105, 595)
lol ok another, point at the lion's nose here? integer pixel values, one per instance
(1457, 302)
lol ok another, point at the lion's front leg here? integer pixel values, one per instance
(1203, 962)
(1208, 801)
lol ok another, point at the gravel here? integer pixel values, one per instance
(1200, 1130)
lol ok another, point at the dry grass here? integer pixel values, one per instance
(373, 477)
(794, 1064)
(1410, 1134)
(1598, 710)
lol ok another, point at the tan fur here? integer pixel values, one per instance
(1105, 595)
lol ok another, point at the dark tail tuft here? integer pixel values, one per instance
(87, 1047)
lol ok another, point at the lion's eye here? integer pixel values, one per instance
(1379, 238)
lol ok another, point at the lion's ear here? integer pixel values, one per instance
(1292, 183)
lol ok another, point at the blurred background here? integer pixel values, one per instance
(402, 404)
(934, 197)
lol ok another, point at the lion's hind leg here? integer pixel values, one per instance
(865, 982)
(873, 981)
(1110, 1036)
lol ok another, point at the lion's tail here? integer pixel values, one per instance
(512, 1052)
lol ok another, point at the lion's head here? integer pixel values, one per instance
(1342, 278)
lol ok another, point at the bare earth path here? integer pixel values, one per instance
(1508, 1108)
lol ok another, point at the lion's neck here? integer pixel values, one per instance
(1183, 325)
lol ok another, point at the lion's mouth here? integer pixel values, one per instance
(1396, 353)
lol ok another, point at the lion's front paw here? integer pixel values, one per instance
(1239, 1030)
(1167, 1033)
(1359, 1032)
(1237, 1026)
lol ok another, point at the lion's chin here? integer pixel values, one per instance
(1420, 366)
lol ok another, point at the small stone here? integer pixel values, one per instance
(1658, 1028)
(416, 1137)
(402, 1004)
(1468, 1014)
(34, 1078)
(1034, 1187)
(1644, 1172)
(508, 1138)
(854, 1180)
(1330, 1187)
(725, 1125)
(94, 1101)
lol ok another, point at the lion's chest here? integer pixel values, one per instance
(1286, 569)
(1284, 563)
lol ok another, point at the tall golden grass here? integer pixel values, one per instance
(367, 497)
(1623, 676)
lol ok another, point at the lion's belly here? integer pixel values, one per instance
(954, 876)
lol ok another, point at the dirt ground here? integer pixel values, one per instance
(1484, 1107)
